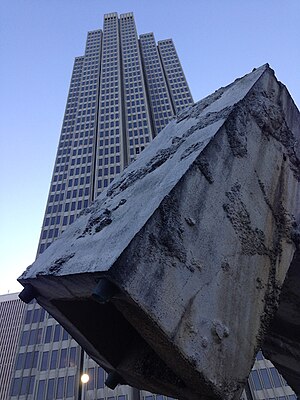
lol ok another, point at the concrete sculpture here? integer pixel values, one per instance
(170, 280)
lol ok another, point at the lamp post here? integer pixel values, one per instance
(83, 376)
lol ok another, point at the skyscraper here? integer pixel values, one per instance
(123, 91)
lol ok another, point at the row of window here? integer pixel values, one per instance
(103, 184)
(22, 386)
(58, 207)
(109, 171)
(266, 378)
(33, 316)
(58, 359)
(111, 160)
(53, 333)
(64, 388)
(49, 360)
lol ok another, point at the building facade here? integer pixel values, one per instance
(123, 92)
(12, 311)
(266, 383)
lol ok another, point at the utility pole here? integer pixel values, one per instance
(135, 394)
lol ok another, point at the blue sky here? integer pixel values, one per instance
(217, 41)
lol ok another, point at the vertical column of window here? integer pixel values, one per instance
(110, 158)
(31, 337)
(11, 317)
(79, 191)
(160, 102)
(137, 118)
(178, 87)
(57, 202)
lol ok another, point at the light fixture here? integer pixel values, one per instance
(85, 378)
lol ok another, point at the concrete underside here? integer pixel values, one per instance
(197, 236)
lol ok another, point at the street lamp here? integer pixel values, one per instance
(84, 378)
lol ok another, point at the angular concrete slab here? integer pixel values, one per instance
(171, 278)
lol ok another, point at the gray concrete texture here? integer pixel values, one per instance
(171, 279)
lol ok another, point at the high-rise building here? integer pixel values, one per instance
(12, 311)
(123, 91)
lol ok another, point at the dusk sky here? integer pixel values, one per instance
(216, 40)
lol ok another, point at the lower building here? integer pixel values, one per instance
(266, 383)
(12, 311)
(49, 363)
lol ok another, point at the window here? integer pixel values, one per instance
(35, 359)
(41, 390)
(100, 378)
(265, 378)
(65, 335)
(275, 377)
(44, 362)
(256, 381)
(48, 334)
(28, 317)
(24, 385)
(42, 315)
(32, 336)
(53, 362)
(28, 360)
(70, 386)
(39, 334)
(31, 385)
(63, 358)
(60, 388)
(15, 386)
(72, 358)
(24, 339)
(90, 385)
(50, 390)
(19, 362)
(57, 330)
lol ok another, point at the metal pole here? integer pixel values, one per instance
(135, 394)
(80, 373)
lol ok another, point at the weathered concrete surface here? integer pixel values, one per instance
(197, 235)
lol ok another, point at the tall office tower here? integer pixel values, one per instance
(119, 98)
(123, 91)
(12, 311)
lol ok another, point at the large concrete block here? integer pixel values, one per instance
(171, 278)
